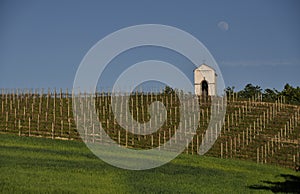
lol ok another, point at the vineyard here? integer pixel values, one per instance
(264, 132)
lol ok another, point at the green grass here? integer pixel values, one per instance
(39, 165)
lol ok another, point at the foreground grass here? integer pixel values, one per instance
(29, 164)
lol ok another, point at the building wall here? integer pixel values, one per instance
(207, 73)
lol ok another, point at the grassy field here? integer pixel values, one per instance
(31, 164)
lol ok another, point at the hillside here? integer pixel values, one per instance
(253, 130)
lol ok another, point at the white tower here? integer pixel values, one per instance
(205, 80)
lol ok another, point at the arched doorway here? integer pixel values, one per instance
(204, 87)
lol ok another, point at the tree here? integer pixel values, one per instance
(168, 90)
(229, 90)
(270, 95)
(292, 95)
(249, 91)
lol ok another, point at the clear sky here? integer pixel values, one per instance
(43, 42)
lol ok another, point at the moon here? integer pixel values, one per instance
(224, 26)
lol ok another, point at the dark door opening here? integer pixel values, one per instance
(204, 86)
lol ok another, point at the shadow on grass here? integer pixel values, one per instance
(291, 184)
(177, 178)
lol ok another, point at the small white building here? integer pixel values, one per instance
(205, 81)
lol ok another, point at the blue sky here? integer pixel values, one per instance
(43, 42)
